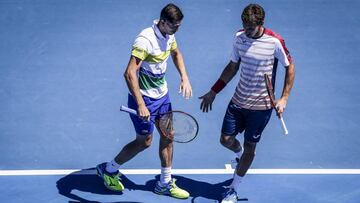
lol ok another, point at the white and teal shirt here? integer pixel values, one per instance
(154, 50)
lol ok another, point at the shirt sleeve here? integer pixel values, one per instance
(282, 53)
(141, 48)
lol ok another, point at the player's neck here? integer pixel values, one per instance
(161, 29)
(259, 33)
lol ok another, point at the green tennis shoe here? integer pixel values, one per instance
(171, 189)
(111, 180)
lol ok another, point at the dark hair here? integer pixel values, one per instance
(171, 13)
(253, 14)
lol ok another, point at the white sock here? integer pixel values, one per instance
(236, 182)
(165, 176)
(112, 166)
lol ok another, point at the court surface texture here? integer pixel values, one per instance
(61, 86)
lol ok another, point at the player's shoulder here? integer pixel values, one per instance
(239, 32)
(145, 37)
(146, 33)
(270, 33)
(239, 36)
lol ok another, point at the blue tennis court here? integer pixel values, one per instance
(61, 86)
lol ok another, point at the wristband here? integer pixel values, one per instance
(218, 86)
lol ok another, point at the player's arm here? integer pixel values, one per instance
(133, 85)
(185, 86)
(226, 76)
(229, 72)
(288, 83)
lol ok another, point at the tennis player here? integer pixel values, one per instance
(145, 78)
(256, 51)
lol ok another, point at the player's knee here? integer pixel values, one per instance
(226, 140)
(165, 141)
(144, 142)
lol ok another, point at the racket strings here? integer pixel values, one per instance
(178, 126)
(166, 124)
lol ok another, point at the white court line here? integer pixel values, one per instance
(227, 170)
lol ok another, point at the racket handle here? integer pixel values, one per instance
(128, 110)
(283, 125)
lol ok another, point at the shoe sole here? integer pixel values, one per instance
(168, 194)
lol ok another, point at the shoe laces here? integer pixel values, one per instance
(172, 184)
(115, 180)
(230, 192)
(116, 175)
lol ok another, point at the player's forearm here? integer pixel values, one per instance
(289, 81)
(229, 72)
(179, 64)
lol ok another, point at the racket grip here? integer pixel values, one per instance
(284, 126)
(128, 110)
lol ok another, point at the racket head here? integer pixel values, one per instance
(178, 126)
(270, 89)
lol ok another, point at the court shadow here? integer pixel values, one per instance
(86, 180)
(203, 190)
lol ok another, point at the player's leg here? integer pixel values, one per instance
(232, 125)
(255, 124)
(144, 130)
(166, 185)
(165, 144)
(230, 142)
(109, 171)
(133, 148)
(166, 147)
(246, 158)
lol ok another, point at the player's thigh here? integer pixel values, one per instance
(234, 121)
(256, 121)
(141, 127)
(162, 111)
(163, 106)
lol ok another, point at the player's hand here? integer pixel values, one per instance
(280, 106)
(207, 100)
(143, 113)
(185, 89)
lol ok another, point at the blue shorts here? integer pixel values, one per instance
(155, 107)
(237, 120)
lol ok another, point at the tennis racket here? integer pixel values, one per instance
(178, 126)
(270, 91)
